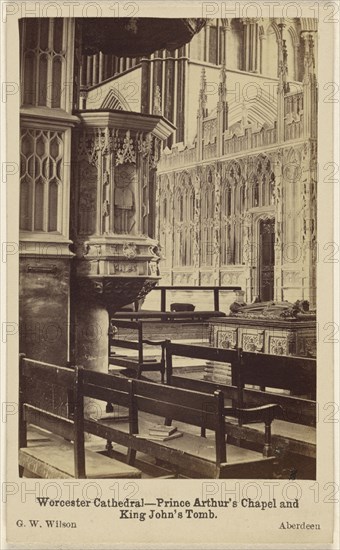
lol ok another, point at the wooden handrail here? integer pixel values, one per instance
(215, 289)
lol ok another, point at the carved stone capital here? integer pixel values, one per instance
(113, 292)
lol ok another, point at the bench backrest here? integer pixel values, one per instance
(33, 409)
(191, 407)
(217, 355)
(126, 342)
(107, 387)
(297, 374)
(196, 408)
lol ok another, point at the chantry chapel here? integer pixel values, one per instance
(235, 199)
(195, 164)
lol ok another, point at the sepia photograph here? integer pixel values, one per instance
(167, 263)
(168, 231)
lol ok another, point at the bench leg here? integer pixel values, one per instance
(267, 449)
(203, 432)
(139, 372)
(109, 448)
(131, 457)
(21, 471)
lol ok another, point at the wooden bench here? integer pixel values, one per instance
(190, 455)
(63, 454)
(139, 363)
(294, 426)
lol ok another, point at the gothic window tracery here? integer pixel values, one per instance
(41, 180)
(291, 44)
(44, 62)
(207, 221)
(270, 52)
(184, 206)
(232, 211)
(262, 184)
(166, 222)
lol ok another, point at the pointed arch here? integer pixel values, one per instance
(292, 43)
(184, 212)
(270, 50)
(262, 182)
(232, 212)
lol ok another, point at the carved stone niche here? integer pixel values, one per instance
(112, 199)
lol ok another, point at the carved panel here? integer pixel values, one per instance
(87, 199)
(153, 269)
(126, 152)
(183, 278)
(230, 278)
(210, 130)
(207, 278)
(226, 339)
(113, 292)
(130, 250)
(126, 267)
(278, 345)
(253, 342)
(307, 345)
(291, 277)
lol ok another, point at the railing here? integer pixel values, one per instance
(215, 289)
(246, 141)
(178, 158)
(235, 144)
(293, 103)
(293, 128)
(209, 151)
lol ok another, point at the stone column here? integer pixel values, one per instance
(261, 51)
(197, 227)
(217, 230)
(91, 325)
(226, 27)
(281, 90)
(201, 113)
(250, 44)
(145, 84)
(309, 87)
(207, 41)
(246, 45)
(308, 225)
(278, 201)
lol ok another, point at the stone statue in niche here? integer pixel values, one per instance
(124, 199)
